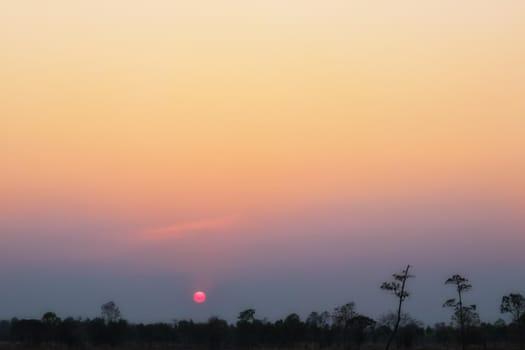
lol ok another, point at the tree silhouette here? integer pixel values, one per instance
(293, 329)
(318, 326)
(51, 319)
(514, 304)
(289, 332)
(51, 323)
(343, 314)
(247, 316)
(397, 287)
(217, 330)
(462, 313)
(110, 312)
(358, 326)
(316, 319)
(246, 328)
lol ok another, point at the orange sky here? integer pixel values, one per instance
(271, 94)
(193, 116)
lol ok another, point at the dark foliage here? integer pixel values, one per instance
(317, 331)
(344, 328)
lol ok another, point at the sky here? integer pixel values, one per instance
(283, 156)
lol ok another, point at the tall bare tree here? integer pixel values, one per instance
(514, 304)
(460, 310)
(398, 287)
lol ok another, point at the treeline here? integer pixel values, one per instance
(319, 330)
(343, 327)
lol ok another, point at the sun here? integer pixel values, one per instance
(199, 297)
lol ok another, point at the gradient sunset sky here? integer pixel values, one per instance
(281, 155)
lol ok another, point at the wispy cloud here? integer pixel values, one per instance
(182, 228)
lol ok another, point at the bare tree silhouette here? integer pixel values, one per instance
(397, 287)
(461, 312)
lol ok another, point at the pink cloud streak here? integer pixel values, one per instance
(182, 228)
